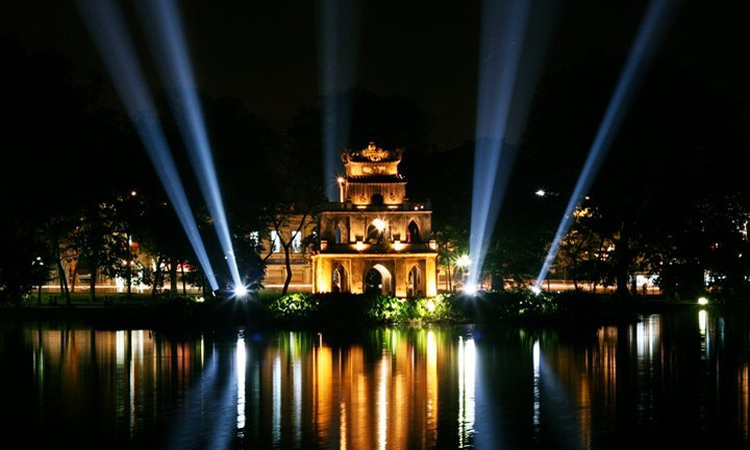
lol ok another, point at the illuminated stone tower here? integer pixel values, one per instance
(374, 239)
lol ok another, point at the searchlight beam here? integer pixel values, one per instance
(106, 26)
(629, 82)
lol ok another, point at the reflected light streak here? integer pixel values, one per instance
(342, 426)
(503, 33)
(223, 426)
(536, 356)
(241, 361)
(297, 398)
(382, 403)
(106, 26)
(622, 97)
(120, 347)
(171, 57)
(607, 340)
(323, 389)
(569, 407)
(276, 401)
(646, 333)
(131, 387)
(256, 375)
(208, 399)
(466, 388)
(705, 335)
(743, 401)
(432, 387)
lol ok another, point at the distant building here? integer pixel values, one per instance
(374, 239)
(299, 253)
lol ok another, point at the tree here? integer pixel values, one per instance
(585, 254)
(665, 157)
(24, 261)
(284, 217)
(100, 242)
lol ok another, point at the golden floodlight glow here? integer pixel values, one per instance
(463, 261)
(379, 224)
(340, 181)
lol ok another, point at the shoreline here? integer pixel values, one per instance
(227, 314)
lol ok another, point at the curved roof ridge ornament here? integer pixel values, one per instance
(371, 153)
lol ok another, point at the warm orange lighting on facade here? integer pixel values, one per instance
(375, 233)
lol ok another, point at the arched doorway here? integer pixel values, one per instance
(414, 284)
(376, 199)
(378, 280)
(339, 281)
(413, 232)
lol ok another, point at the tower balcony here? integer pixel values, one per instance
(381, 247)
(349, 206)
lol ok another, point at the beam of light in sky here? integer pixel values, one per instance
(171, 56)
(338, 26)
(107, 28)
(503, 30)
(646, 40)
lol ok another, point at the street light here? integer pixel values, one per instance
(37, 262)
(541, 193)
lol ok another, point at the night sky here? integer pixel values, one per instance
(266, 53)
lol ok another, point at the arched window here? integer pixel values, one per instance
(376, 199)
(413, 232)
(337, 235)
(340, 283)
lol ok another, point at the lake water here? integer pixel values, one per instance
(676, 380)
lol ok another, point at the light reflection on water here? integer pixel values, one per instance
(682, 378)
(466, 379)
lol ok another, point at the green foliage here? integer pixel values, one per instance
(516, 304)
(355, 309)
(386, 308)
(439, 309)
(294, 307)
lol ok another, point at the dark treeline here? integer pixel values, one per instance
(670, 200)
